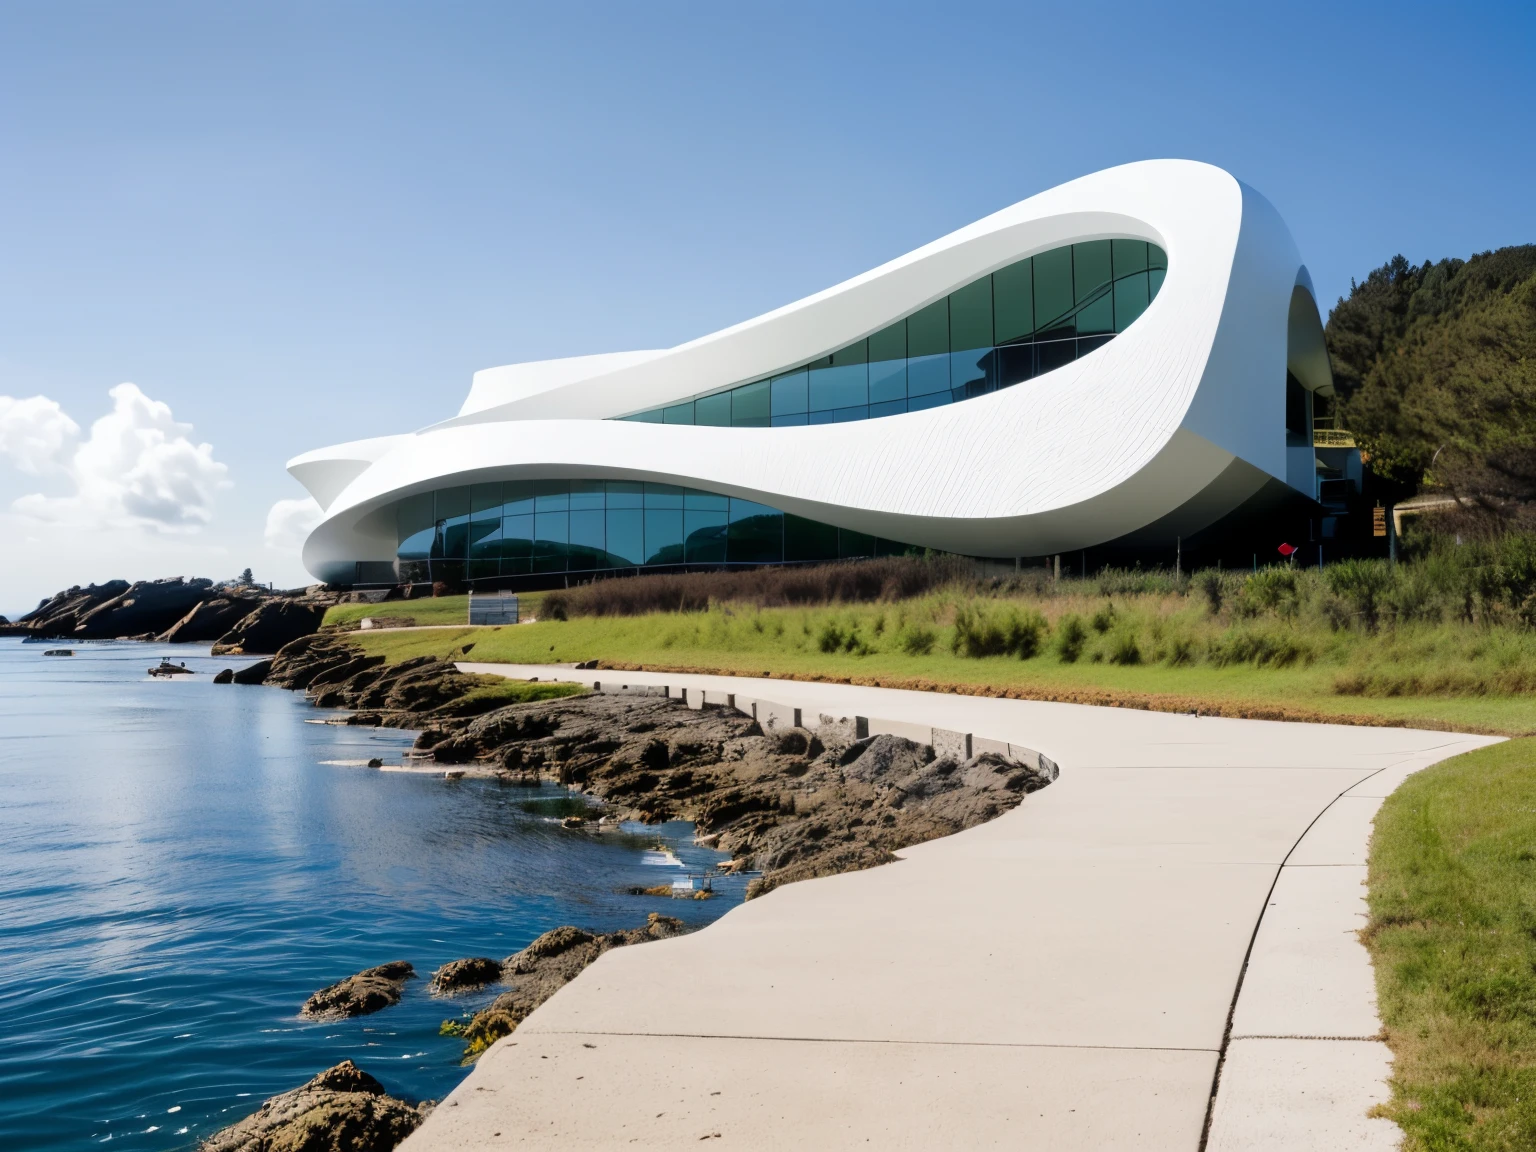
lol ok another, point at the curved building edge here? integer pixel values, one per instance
(1149, 436)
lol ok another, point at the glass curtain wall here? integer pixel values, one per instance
(1005, 328)
(532, 528)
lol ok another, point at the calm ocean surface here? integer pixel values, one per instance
(178, 871)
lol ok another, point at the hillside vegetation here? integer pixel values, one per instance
(1436, 370)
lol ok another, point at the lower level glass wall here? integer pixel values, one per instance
(506, 531)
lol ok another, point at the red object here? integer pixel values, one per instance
(1287, 549)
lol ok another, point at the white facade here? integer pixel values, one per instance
(1164, 429)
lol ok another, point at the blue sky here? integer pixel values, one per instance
(295, 224)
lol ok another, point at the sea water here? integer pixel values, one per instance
(180, 868)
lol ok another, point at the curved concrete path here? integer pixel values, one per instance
(1062, 977)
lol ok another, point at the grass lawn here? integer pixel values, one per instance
(1453, 938)
(792, 643)
(425, 611)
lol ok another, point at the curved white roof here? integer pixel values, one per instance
(1186, 403)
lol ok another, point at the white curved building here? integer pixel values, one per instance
(1126, 358)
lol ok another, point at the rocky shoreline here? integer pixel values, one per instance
(238, 619)
(786, 803)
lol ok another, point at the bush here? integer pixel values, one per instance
(888, 578)
(833, 637)
(1213, 587)
(916, 640)
(1007, 632)
(1070, 638)
(1270, 590)
(1104, 619)
(1123, 648)
(1361, 584)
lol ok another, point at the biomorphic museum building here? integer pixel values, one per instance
(1127, 364)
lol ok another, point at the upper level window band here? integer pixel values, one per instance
(1022, 320)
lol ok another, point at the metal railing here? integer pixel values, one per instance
(1332, 438)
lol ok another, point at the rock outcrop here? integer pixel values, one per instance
(58, 615)
(272, 625)
(368, 991)
(211, 618)
(179, 610)
(341, 1110)
(540, 970)
(253, 674)
(462, 975)
(146, 607)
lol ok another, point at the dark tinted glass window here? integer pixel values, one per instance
(791, 393)
(517, 537)
(663, 496)
(551, 536)
(1130, 299)
(1098, 316)
(588, 494)
(1068, 295)
(551, 496)
(1013, 301)
(1053, 289)
(626, 537)
(808, 540)
(750, 406)
(927, 375)
(485, 498)
(887, 380)
(1090, 268)
(970, 316)
(704, 534)
(850, 544)
(889, 343)
(713, 411)
(928, 330)
(663, 536)
(1129, 256)
(414, 527)
(588, 549)
(517, 497)
(757, 533)
(839, 386)
(626, 494)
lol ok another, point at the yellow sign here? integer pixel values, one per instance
(1378, 521)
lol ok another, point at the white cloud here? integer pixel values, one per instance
(290, 521)
(35, 434)
(137, 468)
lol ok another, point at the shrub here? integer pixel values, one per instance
(1361, 584)
(916, 640)
(1270, 590)
(833, 637)
(1123, 648)
(1070, 638)
(888, 578)
(1008, 632)
(1104, 619)
(1213, 588)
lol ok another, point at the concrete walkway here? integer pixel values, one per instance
(1062, 977)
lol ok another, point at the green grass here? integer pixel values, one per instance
(1160, 651)
(495, 692)
(427, 611)
(1453, 938)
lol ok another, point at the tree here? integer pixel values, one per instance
(246, 577)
